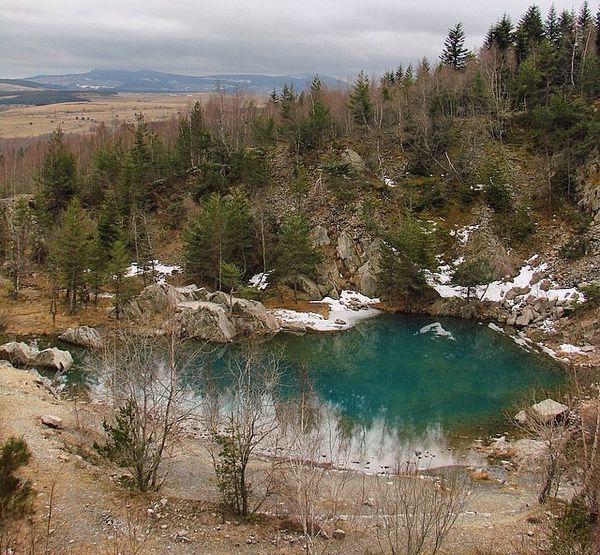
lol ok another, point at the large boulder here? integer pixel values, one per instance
(549, 410)
(354, 160)
(159, 297)
(251, 318)
(54, 358)
(319, 236)
(83, 336)
(206, 321)
(18, 353)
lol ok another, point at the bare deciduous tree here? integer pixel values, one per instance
(415, 512)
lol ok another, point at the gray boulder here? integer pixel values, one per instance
(526, 317)
(354, 159)
(54, 358)
(206, 321)
(83, 336)
(549, 410)
(18, 353)
(251, 318)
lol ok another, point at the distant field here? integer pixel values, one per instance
(80, 117)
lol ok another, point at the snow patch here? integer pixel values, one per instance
(438, 330)
(571, 349)
(260, 281)
(156, 267)
(464, 233)
(344, 313)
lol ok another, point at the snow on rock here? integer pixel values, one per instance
(260, 281)
(437, 330)
(389, 182)
(344, 313)
(160, 270)
(571, 349)
(496, 291)
(464, 233)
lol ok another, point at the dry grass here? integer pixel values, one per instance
(81, 117)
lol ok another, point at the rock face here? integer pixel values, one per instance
(347, 253)
(83, 336)
(589, 179)
(319, 237)
(22, 354)
(202, 315)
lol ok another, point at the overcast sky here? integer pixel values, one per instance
(200, 37)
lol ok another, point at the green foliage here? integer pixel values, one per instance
(128, 446)
(295, 253)
(361, 105)
(472, 273)
(406, 253)
(15, 493)
(455, 55)
(576, 247)
(69, 252)
(117, 269)
(494, 175)
(59, 174)
(521, 224)
(222, 232)
(228, 470)
(573, 532)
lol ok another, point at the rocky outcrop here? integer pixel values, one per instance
(347, 253)
(319, 237)
(84, 336)
(205, 321)
(205, 316)
(250, 318)
(21, 354)
(354, 160)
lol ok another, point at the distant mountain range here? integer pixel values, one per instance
(155, 81)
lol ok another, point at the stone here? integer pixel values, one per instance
(83, 336)
(548, 410)
(339, 534)
(251, 318)
(367, 279)
(511, 320)
(206, 321)
(218, 297)
(354, 159)
(526, 317)
(18, 353)
(521, 417)
(308, 287)
(346, 251)
(52, 421)
(54, 358)
(319, 236)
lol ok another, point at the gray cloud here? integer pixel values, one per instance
(337, 37)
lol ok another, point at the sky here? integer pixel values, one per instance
(202, 37)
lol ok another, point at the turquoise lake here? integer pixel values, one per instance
(387, 370)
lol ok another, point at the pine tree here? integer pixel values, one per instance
(552, 27)
(318, 127)
(295, 253)
(585, 18)
(70, 253)
(200, 138)
(361, 105)
(117, 270)
(472, 273)
(15, 493)
(21, 229)
(501, 34)
(455, 55)
(598, 33)
(59, 173)
(530, 33)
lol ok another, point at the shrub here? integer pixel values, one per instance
(15, 493)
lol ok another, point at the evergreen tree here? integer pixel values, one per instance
(530, 33)
(406, 253)
(59, 173)
(455, 55)
(109, 227)
(117, 271)
(318, 127)
(98, 264)
(70, 253)
(552, 27)
(222, 232)
(15, 493)
(585, 18)
(361, 105)
(598, 33)
(295, 253)
(501, 34)
(140, 163)
(200, 138)
(472, 273)
(20, 237)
